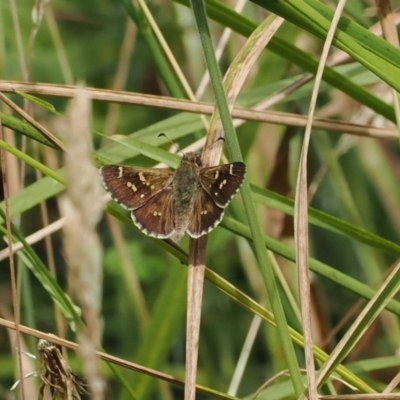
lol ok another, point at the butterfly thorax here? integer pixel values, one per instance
(185, 183)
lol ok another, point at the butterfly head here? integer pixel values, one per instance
(192, 158)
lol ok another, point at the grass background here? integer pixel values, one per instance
(353, 190)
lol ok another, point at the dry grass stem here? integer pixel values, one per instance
(32, 121)
(233, 82)
(82, 208)
(211, 155)
(34, 238)
(301, 217)
(272, 117)
(14, 291)
(103, 356)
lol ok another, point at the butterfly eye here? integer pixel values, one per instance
(198, 160)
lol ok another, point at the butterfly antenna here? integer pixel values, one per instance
(173, 144)
(215, 141)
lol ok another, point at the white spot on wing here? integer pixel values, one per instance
(132, 186)
(205, 231)
(149, 233)
(231, 169)
(141, 177)
(216, 174)
(121, 171)
(222, 184)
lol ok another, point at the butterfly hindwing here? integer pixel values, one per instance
(133, 187)
(223, 181)
(206, 216)
(156, 217)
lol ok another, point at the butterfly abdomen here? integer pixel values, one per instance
(186, 180)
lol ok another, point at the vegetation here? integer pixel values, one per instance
(144, 66)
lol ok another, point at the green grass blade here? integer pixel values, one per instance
(167, 319)
(70, 311)
(268, 316)
(228, 17)
(234, 149)
(324, 220)
(164, 68)
(309, 17)
(362, 323)
(26, 129)
(316, 266)
(31, 161)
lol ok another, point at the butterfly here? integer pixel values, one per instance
(166, 203)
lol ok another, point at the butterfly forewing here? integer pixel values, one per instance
(156, 217)
(133, 187)
(223, 181)
(206, 216)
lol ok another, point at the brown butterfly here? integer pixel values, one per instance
(166, 204)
